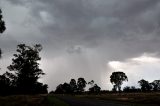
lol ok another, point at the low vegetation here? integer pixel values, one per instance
(140, 99)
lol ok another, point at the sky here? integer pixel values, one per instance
(86, 38)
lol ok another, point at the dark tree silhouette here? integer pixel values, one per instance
(59, 89)
(25, 70)
(81, 84)
(131, 89)
(63, 89)
(94, 87)
(156, 85)
(2, 23)
(66, 88)
(91, 83)
(117, 79)
(5, 85)
(2, 26)
(145, 85)
(73, 86)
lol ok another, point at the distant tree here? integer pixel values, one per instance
(73, 85)
(63, 88)
(2, 23)
(91, 83)
(2, 26)
(145, 85)
(25, 71)
(59, 89)
(117, 79)
(40, 88)
(66, 88)
(126, 89)
(81, 84)
(94, 87)
(156, 85)
(131, 89)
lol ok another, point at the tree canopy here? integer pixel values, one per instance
(81, 84)
(73, 85)
(25, 71)
(94, 87)
(156, 85)
(145, 85)
(2, 26)
(2, 23)
(117, 79)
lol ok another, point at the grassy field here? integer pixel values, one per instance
(138, 99)
(35, 100)
(131, 98)
(53, 100)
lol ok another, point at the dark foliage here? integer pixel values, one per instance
(145, 85)
(117, 79)
(2, 23)
(24, 72)
(131, 89)
(63, 88)
(2, 26)
(77, 88)
(73, 85)
(155, 85)
(81, 84)
(94, 89)
(5, 85)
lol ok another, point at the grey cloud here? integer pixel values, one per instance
(74, 49)
(104, 30)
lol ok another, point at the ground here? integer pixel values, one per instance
(123, 99)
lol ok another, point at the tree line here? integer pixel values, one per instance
(77, 87)
(116, 78)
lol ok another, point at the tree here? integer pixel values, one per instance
(59, 89)
(131, 89)
(117, 79)
(5, 85)
(63, 88)
(81, 84)
(156, 85)
(25, 70)
(145, 85)
(2, 23)
(73, 86)
(91, 83)
(2, 26)
(94, 87)
(66, 88)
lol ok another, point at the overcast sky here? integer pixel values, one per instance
(86, 38)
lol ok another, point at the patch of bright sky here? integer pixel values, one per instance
(145, 67)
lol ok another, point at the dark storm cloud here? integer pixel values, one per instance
(83, 34)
